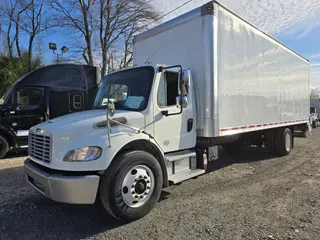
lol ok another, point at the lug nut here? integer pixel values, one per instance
(145, 193)
(140, 176)
(133, 186)
(148, 187)
(145, 177)
(141, 196)
(136, 196)
(148, 181)
(133, 192)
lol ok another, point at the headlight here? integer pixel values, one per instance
(83, 154)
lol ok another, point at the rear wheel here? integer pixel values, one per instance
(4, 147)
(132, 186)
(283, 141)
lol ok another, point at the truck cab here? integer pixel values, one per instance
(43, 94)
(152, 118)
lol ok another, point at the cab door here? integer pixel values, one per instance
(177, 130)
(29, 110)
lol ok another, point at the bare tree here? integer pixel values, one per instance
(119, 20)
(104, 25)
(8, 9)
(23, 8)
(79, 17)
(35, 20)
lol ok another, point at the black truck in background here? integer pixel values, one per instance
(43, 94)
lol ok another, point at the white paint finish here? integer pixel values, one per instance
(179, 46)
(254, 80)
(237, 131)
(260, 81)
(171, 132)
(76, 131)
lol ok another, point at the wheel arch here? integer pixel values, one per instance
(8, 137)
(150, 147)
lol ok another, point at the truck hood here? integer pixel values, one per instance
(83, 122)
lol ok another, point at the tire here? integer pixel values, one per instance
(132, 185)
(4, 147)
(283, 141)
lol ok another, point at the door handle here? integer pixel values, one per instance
(190, 124)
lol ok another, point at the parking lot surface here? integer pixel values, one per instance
(253, 195)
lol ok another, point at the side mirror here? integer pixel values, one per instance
(185, 84)
(110, 109)
(182, 101)
(98, 76)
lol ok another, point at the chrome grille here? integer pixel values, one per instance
(40, 147)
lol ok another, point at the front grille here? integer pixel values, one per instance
(40, 147)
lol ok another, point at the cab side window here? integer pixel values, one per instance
(29, 97)
(168, 89)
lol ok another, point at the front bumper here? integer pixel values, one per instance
(66, 189)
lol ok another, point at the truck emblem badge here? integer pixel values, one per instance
(38, 130)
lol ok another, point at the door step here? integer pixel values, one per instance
(179, 156)
(182, 176)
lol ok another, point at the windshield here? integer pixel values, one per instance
(6, 97)
(128, 90)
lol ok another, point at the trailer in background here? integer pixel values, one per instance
(43, 94)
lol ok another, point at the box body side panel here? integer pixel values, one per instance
(179, 45)
(260, 82)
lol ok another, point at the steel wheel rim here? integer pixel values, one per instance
(288, 142)
(137, 186)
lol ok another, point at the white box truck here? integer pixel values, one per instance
(314, 112)
(205, 79)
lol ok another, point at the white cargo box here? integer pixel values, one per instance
(245, 80)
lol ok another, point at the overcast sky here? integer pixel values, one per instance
(296, 23)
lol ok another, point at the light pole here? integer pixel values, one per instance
(53, 47)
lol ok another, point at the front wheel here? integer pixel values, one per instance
(4, 147)
(132, 185)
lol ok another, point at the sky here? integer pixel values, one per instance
(296, 23)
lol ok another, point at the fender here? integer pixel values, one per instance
(149, 145)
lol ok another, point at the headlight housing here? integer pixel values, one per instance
(83, 154)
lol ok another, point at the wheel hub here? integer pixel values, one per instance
(140, 187)
(288, 142)
(137, 186)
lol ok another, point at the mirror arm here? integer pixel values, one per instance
(167, 114)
